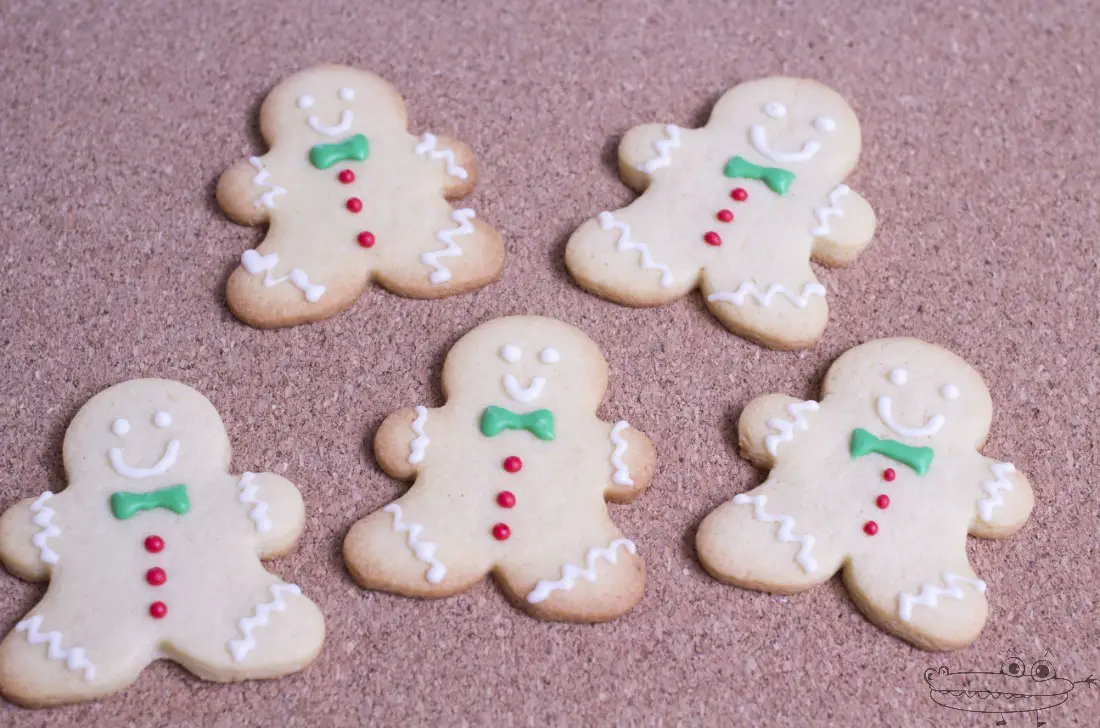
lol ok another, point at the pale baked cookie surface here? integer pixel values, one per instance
(737, 208)
(350, 196)
(153, 552)
(511, 477)
(880, 480)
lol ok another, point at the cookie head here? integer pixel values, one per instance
(918, 392)
(143, 432)
(526, 363)
(793, 123)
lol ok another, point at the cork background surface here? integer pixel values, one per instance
(980, 125)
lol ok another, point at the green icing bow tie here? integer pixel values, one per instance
(323, 156)
(864, 443)
(125, 504)
(777, 180)
(539, 423)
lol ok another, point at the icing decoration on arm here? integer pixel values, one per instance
(749, 288)
(570, 573)
(423, 550)
(777, 180)
(785, 533)
(758, 135)
(621, 475)
(323, 156)
(663, 147)
(1000, 482)
(255, 264)
(267, 199)
(539, 423)
(442, 274)
(930, 593)
(420, 444)
(833, 210)
(884, 407)
(427, 148)
(627, 244)
(523, 394)
(43, 516)
(125, 504)
(241, 646)
(249, 489)
(785, 428)
(864, 443)
(74, 658)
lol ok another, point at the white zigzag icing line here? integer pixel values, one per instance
(255, 264)
(427, 148)
(241, 646)
(663, 147)
(833, 210)
(1000, 471)
(74, 658)
(785, 534)
(749, 288)
(785, 428)
(930, 594)
(248, 495)
(43, 516)
(626, 244)
(442, 274)
(570, 573)
(420, 444)
(267, 199)
(423, 550)
(622, 473)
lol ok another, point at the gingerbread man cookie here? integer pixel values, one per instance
(737, 208)
(880, 480)
(351, 196)
(511, 478)
(153, 552)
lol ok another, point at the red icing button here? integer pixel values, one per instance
(870, 528)
(365, 239)
(883, 501)
(725, 216)
(888, 475)
(501, 532)
(154, 544)
(354, 204)
(739, 194)
(712, 238)
(512, 464)
(506, 499)
(346, 176)
(156, 576)
(158, 610)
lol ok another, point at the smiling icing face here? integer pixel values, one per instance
(121, 427)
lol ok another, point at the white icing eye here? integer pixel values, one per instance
(162, 419)
(510, 353)
(775, 110)
(120, 427)
(899, 376)
(549, 355)
(825, 123)
(305, 101)
(347, 94)
(949, 392)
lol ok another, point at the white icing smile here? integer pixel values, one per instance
(162, 466)
(331, 131)
(523, 394)
(885, 405)
(759, 137)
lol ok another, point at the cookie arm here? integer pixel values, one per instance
(276, 510)
(645, 150)
(633, 462)
(247, 191)
(1004, 501)
(402, 441)
(844, 224)
(20, 526)
(769, 422)
(455, 160)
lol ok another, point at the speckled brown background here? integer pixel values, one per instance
(980, 126)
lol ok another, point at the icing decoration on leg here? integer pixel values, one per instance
(73, 658)
(43, 516)
(833, 210)
(323, 156)
(539, 423)
(864, 443)
(427, 148)
(930, 593)
(249, 489)
(749, 288)
(241, 646)
(1000, 482)
(777, 180)
(262, 179)
(785, 533)
(423, 550)
(420, 444)
(570, 573)
(255, 264)
(627, 244)
(125, 504)
(785, 428)
(442, 274)
(663, 147)
(621, 475)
